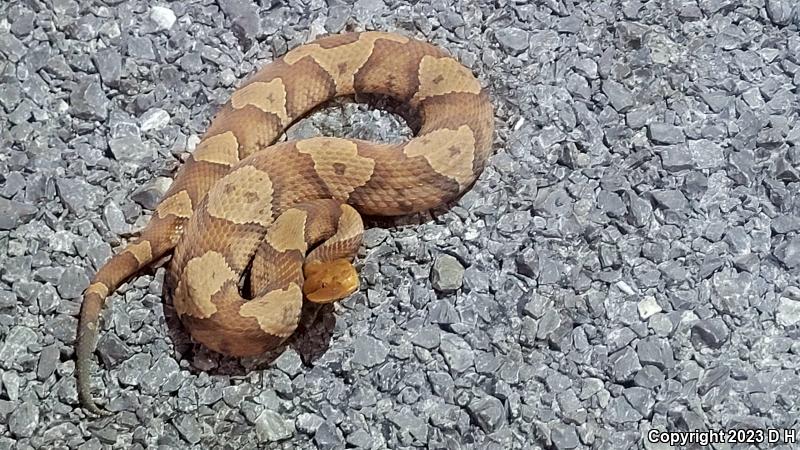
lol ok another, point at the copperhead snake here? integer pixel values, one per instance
(243, 202)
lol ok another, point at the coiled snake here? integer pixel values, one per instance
(242, 202)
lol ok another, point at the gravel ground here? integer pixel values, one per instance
(628, 261)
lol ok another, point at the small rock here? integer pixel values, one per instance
(624, 364)
(621, 411)
(328, 436)
(488, 412)
(16, 344)
(141, 48)
(271, 427)
(670, 199)
(457, 353)
(109, 64)
(163, 376)
(788, 312)
(676, 158)
(706, 154)
(513, 40)
(789, 252)
(134, 369)
(711, 332)
(163, 17)
(88, 101)
(564, 436)
(368, 351)
(640, 399)
(649, 377)
(154, 119)
(130, 149)
(648, 307)
(63, 327)
(781, 12)
(24, 420)
(48, 359)
(427, 337)
(14, 214)
(188, 427)
(150, 194)
(407, 421)
(290, 363)
(447, 274)
(618, 95)
(308, 423)
(656, 351)
(78, 195)
(72, 283)
(663, 133)
(528, 263)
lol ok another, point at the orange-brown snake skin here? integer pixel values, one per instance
(241, 201)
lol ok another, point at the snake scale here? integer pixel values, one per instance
(289, 212)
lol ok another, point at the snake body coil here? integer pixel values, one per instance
(242, 202)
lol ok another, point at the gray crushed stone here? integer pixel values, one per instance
(627, 261)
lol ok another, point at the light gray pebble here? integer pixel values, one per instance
(663, 133)
(14, 213)
(88, 101)
(788, 313)
(656, 351)
(447, 274)
(154, 119)
(134, 369)
(48, 358)
(781, 12)
(15, 345)
(512, 40)
(368, 351)
(109, 65)
(670, 199)
(456, 352)
(624, 364)
(649, 377)
(272, 427)
(163, 17)
(618, 95)
(12, 383)
(24, 420)
(290, 363)
(328, 436)
(676, 158)
(564, 436)
(409, 422)
(789, 252)
(72, 283)
(189, 428)
(620, 411)
(308, 423)
(488, 412)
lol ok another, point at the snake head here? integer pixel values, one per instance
(326, 282)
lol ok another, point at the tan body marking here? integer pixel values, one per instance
(445, 75)
(277, 312)
(204, 277)
(221, 149)
(344, 61)
(338, 164)
(455, 161)
(269, 97)
(178, 205)
(242, 196)
(141, 251)
(286, 233)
